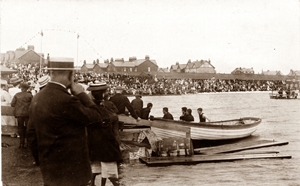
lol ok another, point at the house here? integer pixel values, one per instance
(272, 73)
(241, 70)
(23, 56)
(165, 70)
(202, 66)
(94, 67)
(294, 73)
(133, 65)
(177, 67)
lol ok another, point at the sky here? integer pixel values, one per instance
(262, 34)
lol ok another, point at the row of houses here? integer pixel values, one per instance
(132, 65)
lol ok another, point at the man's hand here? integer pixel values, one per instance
(76, 89)
(138, 119)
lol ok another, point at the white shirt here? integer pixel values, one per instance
(12, 91)
(5, 98)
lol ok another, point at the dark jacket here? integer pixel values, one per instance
(21, 102)
(168, 116)
(137, 105)
(111, 106)
(145, 113)
(58, 120)
(121, 102)
(103, 145)
(202, 118)
(188, 118)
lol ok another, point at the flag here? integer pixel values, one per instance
(42, 34)
(77, 36)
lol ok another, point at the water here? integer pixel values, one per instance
(280, 121)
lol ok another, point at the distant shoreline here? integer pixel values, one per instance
(237, 92)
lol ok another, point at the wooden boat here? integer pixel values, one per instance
(216, 130)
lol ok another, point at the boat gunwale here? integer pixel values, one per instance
(216, 124)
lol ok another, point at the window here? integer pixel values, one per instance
(130, 69)
(135, 69)
(124, 69)
(149, 69)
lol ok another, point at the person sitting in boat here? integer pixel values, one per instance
(188, 116)
(167, 115)
(183, 111)
(202, 118)
(146, 111)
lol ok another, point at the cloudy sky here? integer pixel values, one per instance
(263, 34)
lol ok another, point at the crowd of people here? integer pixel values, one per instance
(151, 85)
(72, 135)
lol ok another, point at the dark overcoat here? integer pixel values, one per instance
(122, 102)
(103, 145)
(21, 102)
(168, 116)
(58, 120)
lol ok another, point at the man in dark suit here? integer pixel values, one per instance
(146, 111)
(121, 102)
(57, 121)
(167, 115)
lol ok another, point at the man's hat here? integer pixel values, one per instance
(97, 86)
(15, 80)
(43, 81)
(61, 63)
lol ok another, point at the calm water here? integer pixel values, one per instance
(280, 121)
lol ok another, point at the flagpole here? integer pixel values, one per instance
(41, 52)
(77, 49)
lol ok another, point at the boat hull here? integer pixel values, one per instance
(222, 130)
(218, 130)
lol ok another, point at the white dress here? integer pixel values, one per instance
(5, 101)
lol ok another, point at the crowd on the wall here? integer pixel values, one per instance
(151, 85)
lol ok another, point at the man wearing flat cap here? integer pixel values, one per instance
(58, 121)
(21, 102)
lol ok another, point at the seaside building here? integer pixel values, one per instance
(22, 56)
(241, 70)
(202, 66)
(94, 67)
(122, 66)
(272, 73)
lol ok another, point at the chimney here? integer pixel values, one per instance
(21, 49)
(119, 59)
(132, 59)
(147, 57)
(30, 47)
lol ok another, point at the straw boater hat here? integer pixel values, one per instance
(43, 81)
(97, 86)
(61, 63)
(15, 80)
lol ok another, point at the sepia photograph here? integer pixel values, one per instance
(150, 92)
